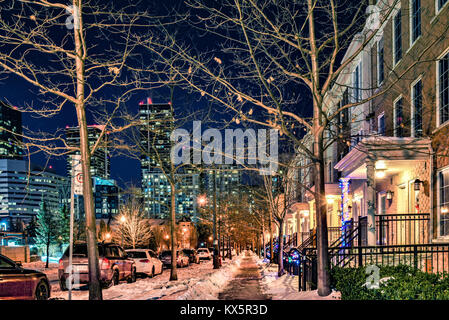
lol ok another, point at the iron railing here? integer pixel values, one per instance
(402, 229)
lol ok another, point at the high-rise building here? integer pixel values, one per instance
(22, 188)
(106, 198)
(228, 179)
(100, 163)
(157, 123)
(10, 131)
(188, 188)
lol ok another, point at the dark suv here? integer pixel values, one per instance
(113, 260)
(192, 254)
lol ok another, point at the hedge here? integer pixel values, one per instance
(399, 283)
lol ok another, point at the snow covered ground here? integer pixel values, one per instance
(198, 281)
(286, 287)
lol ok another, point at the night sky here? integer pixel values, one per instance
(124, 170)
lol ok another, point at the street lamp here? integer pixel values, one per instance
(202, 200)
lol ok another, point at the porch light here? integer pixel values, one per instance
(417, 184)
(390, 195)
(380, 174)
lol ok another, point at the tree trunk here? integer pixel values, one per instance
(92, 246)
(270, 226)
(264, 254)
(48, 253)
(174, 270)
(281, 249)
(321, 219)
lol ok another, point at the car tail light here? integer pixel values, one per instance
(144, 260)
(104, 263)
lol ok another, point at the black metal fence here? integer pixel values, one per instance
(402, 229)
(430, 258)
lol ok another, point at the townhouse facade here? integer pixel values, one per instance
(387, 162)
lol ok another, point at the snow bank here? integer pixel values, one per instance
(198, 281)
(286, 286)
(212, 285)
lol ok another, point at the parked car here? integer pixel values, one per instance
(146, 261)
(181, 261)
(17, 283)
(114, 265)
(192, 254)
(204, 253)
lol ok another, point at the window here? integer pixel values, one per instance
(380, 61)
(443, 89)
(415, 19)
(357, 83)
(441, 4)
(381, 124)
(417, 109)
(443, 202)
(397, 40)
(398, 118)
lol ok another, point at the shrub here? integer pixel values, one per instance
(404, 283)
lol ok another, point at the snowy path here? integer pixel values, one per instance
(246, 284)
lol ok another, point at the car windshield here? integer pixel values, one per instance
(136, 254)
(203, 250)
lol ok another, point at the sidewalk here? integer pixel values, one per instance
(246, 284)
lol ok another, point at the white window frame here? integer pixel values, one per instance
(381, 115)
(394, 113)
(411, 24)
(412, 105)
(437, 11)
(357, 86)
(395, 13)
(437, 88)
(446, 168)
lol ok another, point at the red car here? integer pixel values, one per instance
(17, 283)
(114, 265)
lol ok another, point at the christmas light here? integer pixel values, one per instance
(345, 214)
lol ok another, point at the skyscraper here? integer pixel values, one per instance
(22, 188)
(157, 123)
(100, 162)
(10, 131)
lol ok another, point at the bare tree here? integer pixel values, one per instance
(271, 57)
(71, 54)
(133, 226)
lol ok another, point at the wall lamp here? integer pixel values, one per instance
(390, 195)
(417, 184)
